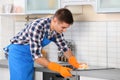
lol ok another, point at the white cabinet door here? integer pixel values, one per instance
(89, 78)
(38, 76)
(76, 2)
(4, 74)
(42, 6)
(19, 6)
(105, 6)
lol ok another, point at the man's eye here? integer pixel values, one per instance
(63, 27)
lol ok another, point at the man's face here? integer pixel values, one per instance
(60, 26)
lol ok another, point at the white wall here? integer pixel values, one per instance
(0, 39)
(97, 43)
(6, 32)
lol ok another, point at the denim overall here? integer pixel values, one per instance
(21, 64)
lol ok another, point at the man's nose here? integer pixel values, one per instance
(64, 30)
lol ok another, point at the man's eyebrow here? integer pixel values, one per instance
(64, 27)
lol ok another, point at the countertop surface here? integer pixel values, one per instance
(104, 73)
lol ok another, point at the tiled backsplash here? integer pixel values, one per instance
(90, 42)
(96, 43)
(114, 44)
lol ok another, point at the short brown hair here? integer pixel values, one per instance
(64, 15)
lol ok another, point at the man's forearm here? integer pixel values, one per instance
(71, 58)
(68, 54)
(64, 71)
(42, 61)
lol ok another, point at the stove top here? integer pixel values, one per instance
(90, 67)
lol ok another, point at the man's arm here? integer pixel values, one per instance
(42, 61)
(73, 61)
(68, 54)
(64, 71)
(71, 58)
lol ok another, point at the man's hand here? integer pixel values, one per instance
(64, 71)
(83, 66)
(72, 60)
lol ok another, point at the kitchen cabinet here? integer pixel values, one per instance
(100, 6)
(38, 76)
(25, 7)
(76, 2)
(75, 6)
(90, 78)
(12, 7)
(4, 74)
(42, 6)
(107, 6)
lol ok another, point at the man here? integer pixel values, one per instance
(26, 46)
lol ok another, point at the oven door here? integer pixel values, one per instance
(55, 76)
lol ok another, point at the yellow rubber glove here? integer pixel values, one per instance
(64, 71)
(72, 60)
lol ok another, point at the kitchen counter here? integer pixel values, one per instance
(109, 74)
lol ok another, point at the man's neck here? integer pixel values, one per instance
(51, 26)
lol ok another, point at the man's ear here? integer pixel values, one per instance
(55, 19)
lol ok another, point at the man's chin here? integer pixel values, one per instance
(59, 32)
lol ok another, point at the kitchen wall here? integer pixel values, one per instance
(96, 43)
(6, 32)
(0, 36)
(95, 36)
